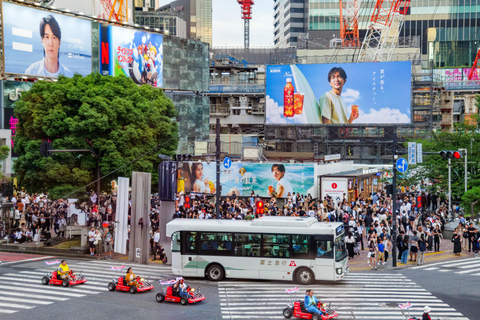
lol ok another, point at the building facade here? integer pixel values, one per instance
(288, 22)
(165, 22)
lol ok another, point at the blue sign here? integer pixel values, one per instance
(227, 162)
(402, 165)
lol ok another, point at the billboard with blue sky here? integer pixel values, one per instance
(45, 44)
(345, 93)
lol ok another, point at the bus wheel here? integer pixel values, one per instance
(215, 273)
(305, 276)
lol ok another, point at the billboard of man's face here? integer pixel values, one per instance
(51, 44)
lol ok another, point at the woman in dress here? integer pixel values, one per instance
(457, 242)
(350, 241)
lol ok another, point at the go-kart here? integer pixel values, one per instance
(298, 310)
(53, 278)
(170, 295)
(120, 283)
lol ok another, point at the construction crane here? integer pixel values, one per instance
(474, 66)
(384, 30)
(246, 7)
(116, 11)
(349, 23)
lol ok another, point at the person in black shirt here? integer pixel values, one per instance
(399, 241)
(471, 237)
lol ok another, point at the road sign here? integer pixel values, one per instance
(402, 165)
(419, 153)
(412, 153)
(227, 162)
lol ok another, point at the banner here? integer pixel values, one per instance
(45, 44)
(133, 53)
(345, 93)
(241, 179)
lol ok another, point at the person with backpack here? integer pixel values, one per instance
(421, 250)
(404, 249)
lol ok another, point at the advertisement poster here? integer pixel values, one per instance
(264, 179)
(133, 53)
(335, 188)
(44, 44)
(344, 93)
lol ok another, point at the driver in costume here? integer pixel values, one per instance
(183, 288)
(63, 271)
(131, 278)
(311, 303)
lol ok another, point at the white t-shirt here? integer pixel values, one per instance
(286, 186)
(91, 236)
(38, 69)
(199, 186)
(333, 108)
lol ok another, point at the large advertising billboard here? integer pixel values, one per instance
(345, 93)
(44, 44)
(133, 53)
(241, 179)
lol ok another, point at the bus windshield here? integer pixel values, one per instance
(340, 249)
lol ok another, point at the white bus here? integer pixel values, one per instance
(275, 248)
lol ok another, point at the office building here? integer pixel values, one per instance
(163, 21)
(289, 21)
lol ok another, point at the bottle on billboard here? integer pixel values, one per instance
(298, 103)
(288, 97)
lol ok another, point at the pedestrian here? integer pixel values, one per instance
(413, 247)
(399, 243)
(471, 237)
(421, 250)
(62, 226)
(361, 232)
(108, 242)
(381, 252)
(388, 248)
(457, 244)
(437, 233)
(91, 240)
(350, 241)
(426, 312)
(465, 237)
(405, 250)
(98, 243)
(372, 248)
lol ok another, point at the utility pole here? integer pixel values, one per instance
(394, 199)
(217, 163)
(466, 151)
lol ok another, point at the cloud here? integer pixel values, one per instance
(274, 114)
(384, 115)
(350, 96)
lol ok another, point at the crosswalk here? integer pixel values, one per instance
(470, 267)
(368, 295)
(24, 289)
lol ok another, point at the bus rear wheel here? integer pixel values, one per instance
(215, 273)
(304, 276)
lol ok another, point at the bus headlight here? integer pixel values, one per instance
(339, 271)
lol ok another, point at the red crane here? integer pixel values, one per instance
(246, 7)
(349, 23)
(474, 66)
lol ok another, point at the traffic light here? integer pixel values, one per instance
(260, 207)
(183, 157)
(451, 154)
(187, 204)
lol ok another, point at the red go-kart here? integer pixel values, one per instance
(120, 283)
(170, 295)
(298, 310)
(53, 278)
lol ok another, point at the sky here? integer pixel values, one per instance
(228, 25)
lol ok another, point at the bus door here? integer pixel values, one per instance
(324, 261)
(190, 253)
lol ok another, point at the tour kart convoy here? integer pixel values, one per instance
(297, 309)
(63, 276)
(133, 285)
(174, 293)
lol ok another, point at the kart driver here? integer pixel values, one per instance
(311, 303)
(63, 270)
(183, 288)
(131, 278)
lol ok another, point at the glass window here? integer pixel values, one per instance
(324, 249)
(301, 246)
(176, 242)
(247, 244)
(276, 245)
(340, 249)
(216, 243)
(190, 241)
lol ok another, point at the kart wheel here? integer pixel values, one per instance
(287, 313)
(111, 286)
(215, 273)
(316, 317)
(45, 280)
(160, 297)
(65, 283)
(305, 276)
(184, 302)
(133, 289)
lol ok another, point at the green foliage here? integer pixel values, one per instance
(472, 196)
(111, 114)
(4, 153)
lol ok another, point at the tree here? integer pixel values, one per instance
(113, 115)
(4, 152)
(470, 201)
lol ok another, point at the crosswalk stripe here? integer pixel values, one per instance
(7, 311)
(468, 271)
(15, 305)
(127, 264)
(33, 296)
(89, 282)
(450, 263)
(89, 287)
(46, 290)
(12, 299)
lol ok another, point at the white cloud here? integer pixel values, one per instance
(384, 115)
(274, 114)
(350, 96)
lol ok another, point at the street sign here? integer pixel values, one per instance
(227, 162)
(419, 153)
(412, 153)
(402, 165)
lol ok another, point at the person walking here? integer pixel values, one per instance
(405, 243)
(350, 241)
(372, 249)
(422, 247)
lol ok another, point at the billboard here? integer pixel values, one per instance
(345, 93)
(45, 44)
(336, 188)
(240, 179)
(133, 53)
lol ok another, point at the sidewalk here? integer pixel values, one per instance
(360, 262)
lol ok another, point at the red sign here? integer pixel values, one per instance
(334, 185)
(293, 264)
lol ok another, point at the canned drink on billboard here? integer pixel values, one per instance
(298, 103)
(355, 110)
(288, 97)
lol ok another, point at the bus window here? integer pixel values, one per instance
(324, 249)
(176, 242)
(276, 245)
(190, 242)
(340, 249)
(247, 244)
(216, 243)
(301, 246)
